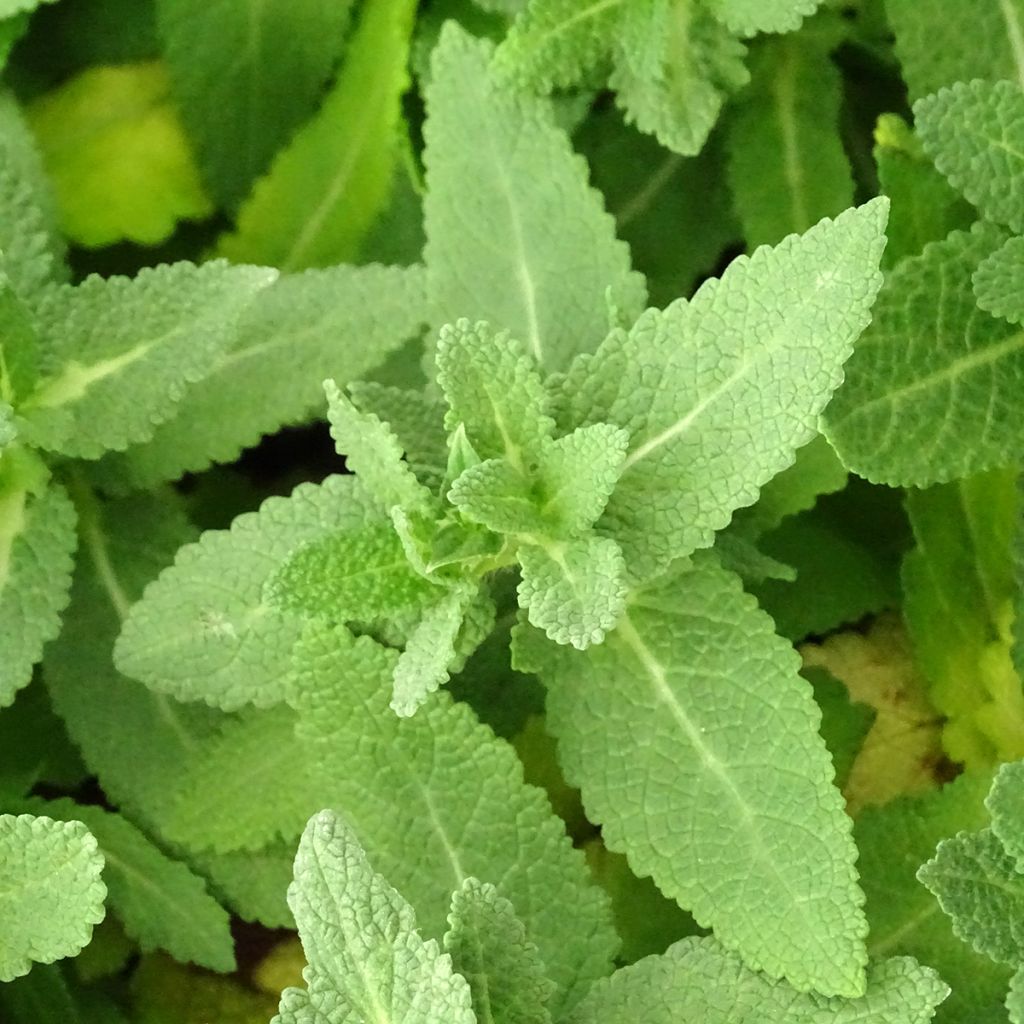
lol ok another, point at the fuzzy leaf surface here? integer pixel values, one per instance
(748, 805)
(749, 17)
(540, 251)
(997, 282)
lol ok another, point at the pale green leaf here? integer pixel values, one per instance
(455, 795)
(359, 574)
(118, 353)
(52, 893)
(905, 918)
(958, 586)
(160, 902)
(490, 949)
(494, 391)
(135, 741)
(430, 652)
(939, 43)
(373, 453)
(931, 391)
(574, 590)
(787, 164)
(239, 113)
(732, 809)
(1015, 999)
(974, 133)
(748, 17)
(925, 208)
(764, 345)
(675, 66)
(697, 980)
(977, 884)
(9, 8)
(495, 494)
(205, 630)
(338, 323)
(119, 161)
(367, 959)
(37, 545)
(999, 282)
(248, 787)
(323, 193)
(252, 883)
(496, 161)
(19, 347)
(1005, 803)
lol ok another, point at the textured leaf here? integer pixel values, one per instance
(490, 949)
(118, 158)
(532, 213)
(160, 902)
(930, 392)
(337, 323)
(765, 345)
(118, 353)
(675, 66)
(973, 131)
(925, 208)
(574, 590)
(748, 804)
(998, 282)
(978, 885)
(37, 544)
(939, 43)
(134, 740)
(205, 631)
(698, 980)
(787, 165)
(454, 794)
(1006, 805)
(19, 353)
(958, 588)
(905, 918)
(252, 883)
(240, 113)
(430, 652)
(366, 956)
(1015, 1000)
(52, 893)
(748, 17)
(496, 494)
(323, 193)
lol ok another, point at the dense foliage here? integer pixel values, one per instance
(522, 493)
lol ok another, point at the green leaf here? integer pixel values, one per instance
(905, 918)
(490, 949)
(574, 590)
(973, 132)
(698, 980)
(205, 630)
(240, 113)
(675, 66)
(337, 323)
(367, 959)
(455, 795)
(214, 806)
(997, 282)
(118, 353)
(430, 652)
(844, 722)
(787, 164)
(1006, 807)
(496, 494)
(747, 805)
(359, 574)
(252, 883)
(748, 17)
(765, 345)
(160, 902)
(323, 193)
(958, 588)
(19, 352)
(977, 884)
(373, 453)
(120, 164)
(1015, 999)
(494, 390)
(37, 545)
(925, 208)
(939, 43)
(52, 893)
(929, 392)
(498, 156)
